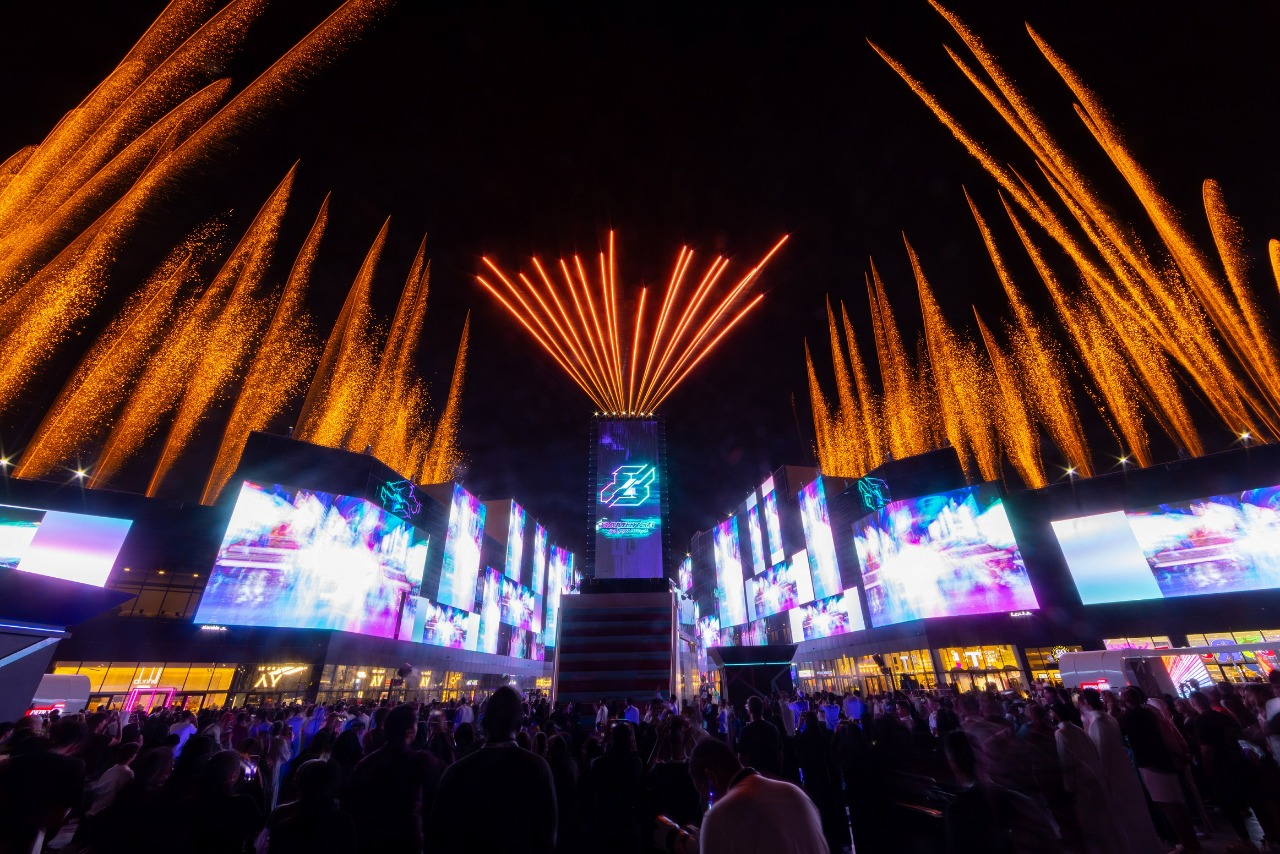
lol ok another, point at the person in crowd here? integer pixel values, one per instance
(1226, 767)
(602, 715)
(184, 728)
(564, 775)
(816, 756)
(219, 819)
(760, 745)
(39, 785)
(313, 822)
(1123, 784)
(617, 785)
(1157, 763)
(630, 713)
(988, 817)
(749, 812)
(459, 820)
(390, 787)
(853, 706)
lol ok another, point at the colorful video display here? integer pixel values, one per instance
(628, 508)
(782, 588)
(461, 565)
(708, 631)
(774, 525)
(490, 614)
(440, 625)
(685, 575)
(297, 558)
(520, 645)
(518, 607)
(758, 564)
(821, 545)
(942, 555)
(730, 595)
(71, 546)
(1202, 546)
(559, 568)
(836, 615)
(539, 581)
(515, 542)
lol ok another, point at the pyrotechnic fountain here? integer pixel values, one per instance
(181, 347)
(1139, 325)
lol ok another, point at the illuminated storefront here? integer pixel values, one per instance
(1243, 666)
(153, 683)
(983, 667)
(1042, 662)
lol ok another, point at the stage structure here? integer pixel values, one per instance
(628, 354)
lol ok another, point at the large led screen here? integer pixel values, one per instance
(71, 546)
(518, 607)
(730, 596)
(757, 536)
(837, 615)
(782, 588)
(774, 525)
(486, 636)
(942, 555)
(820, 544)
(1221, 544)
(628, 508)
(440, 625)
(560, 568)
(539, 580)
(515, 542)
(312, 560)
(462, 551)
(685, 575)
(709, 631)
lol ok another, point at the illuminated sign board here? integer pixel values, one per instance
(628, 500)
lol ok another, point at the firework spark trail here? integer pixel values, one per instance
(1047, 387)
(100, 382)
(336, 394)
(1017, 432)
(236, 330)
(961, 381)
(279, 368)
(163, 87)
(178, 20)
(868, 404)
(26, 247)
(383, 425)
(1109, 373)
(45, 311)
(908, 419)
(442, 461)
(847, 441)
(832, 461)
(591, 351)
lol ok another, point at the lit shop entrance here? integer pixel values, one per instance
(982, 668)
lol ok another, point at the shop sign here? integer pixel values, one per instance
(1019, 613)
(806, 674)
(825, 673)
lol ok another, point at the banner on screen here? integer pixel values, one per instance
(628, 500)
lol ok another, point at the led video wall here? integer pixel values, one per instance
(559, 570)
(772, 522)
(942, 555)
(515, 542)
(685, 575)
(71, 546)
(782, 588)
(313, 560)
(730, 595)
(836, 615)
(440, 625)
(708, 631)
(461, 565)
(1220, 544)
(490, 617)
(539, 581)
(628, 504)
(817, 537)
(758, 564)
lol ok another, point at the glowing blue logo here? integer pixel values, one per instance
(630, 486)
(399, 498)
(874, 493)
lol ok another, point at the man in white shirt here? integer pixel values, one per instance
(602, 715)
(464, 715)
(853, 707)
(631, 714)
(751, 813)
(788, 714)
(183, 729)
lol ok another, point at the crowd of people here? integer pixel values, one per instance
(1045, 771)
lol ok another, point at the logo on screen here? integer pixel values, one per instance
(626, 528)
(630, 486)
(874, 493)
(399, 498)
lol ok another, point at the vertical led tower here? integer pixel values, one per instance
(627, 498)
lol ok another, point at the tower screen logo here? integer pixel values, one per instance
(628, 500)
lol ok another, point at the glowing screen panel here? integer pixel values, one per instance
(559, 572)
(782, 588)
(1220, 544)
(825, 618)
(515, 542)
(774, 525)
(490, 615)
(461, 565)
(821, 545)
(71, 546)
(685, 574)
(539, 581)
(440, 625)
(709, 631)
(312, 560)
(628, 503)
(758, 564)
(730, 596)
(942, 555)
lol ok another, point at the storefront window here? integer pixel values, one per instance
(1042, 661)
(982, 667)
(1156, 642)
(1241, 666)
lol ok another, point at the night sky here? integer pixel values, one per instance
(510, 130)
